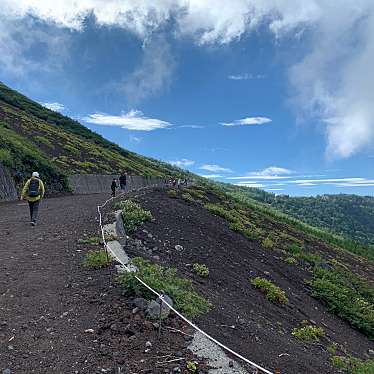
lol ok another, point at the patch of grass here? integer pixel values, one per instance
(272, 292)
(332, 348)
(133, 215)
(291, 260)
(308, 333)
(93, 240)
(191, 366)
(172, 193)
(201, 269)
(268, 243)
(347, 296)
(186, 299)
(96, 259)
(187, 197)
(353, 365)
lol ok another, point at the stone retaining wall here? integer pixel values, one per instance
(96, 183)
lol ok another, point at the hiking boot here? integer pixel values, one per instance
(33, 223)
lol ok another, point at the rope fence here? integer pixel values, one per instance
(160, 296)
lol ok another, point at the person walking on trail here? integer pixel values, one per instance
(33, 191)
(123, 181)
(113, 187)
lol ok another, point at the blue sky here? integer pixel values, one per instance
(276, 95)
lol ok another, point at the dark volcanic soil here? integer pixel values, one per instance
(49, 303)
(242, 318)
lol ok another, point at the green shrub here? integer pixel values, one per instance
(201, 269)
(94, 240)
(97, 259)
(353, 365)
(186, 299)
(268, 243)
(172, 193)
(133, 215)
(187, 197)
(308, 333)
(191, 366)
(347, 296)
(291, 260)
(294, 249)
(272, 292)
(5, 157)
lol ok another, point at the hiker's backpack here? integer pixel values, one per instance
(34, 188)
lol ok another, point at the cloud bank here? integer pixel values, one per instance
(332, 82)
(215, 168)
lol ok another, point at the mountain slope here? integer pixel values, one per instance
(349, 215)
(326, 288)
(34, 137)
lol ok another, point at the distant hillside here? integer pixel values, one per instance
(349, 215)
(33, 137)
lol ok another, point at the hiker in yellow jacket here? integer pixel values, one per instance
(33, 191)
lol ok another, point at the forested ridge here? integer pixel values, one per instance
(351, 216)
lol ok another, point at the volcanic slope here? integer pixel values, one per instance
(34, 137)
(324, 317)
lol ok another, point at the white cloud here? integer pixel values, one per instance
(271, 172)
(215, 168)
(251, 185)
(183, 163)
(246, 76)
(133, 120)
(134, 139)
(248, 121)
(211, 175)
(57, 107)
(192, 126)
(333, 81)
(153, 74)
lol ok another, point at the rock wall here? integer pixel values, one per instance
(7, 186)
(96, 183)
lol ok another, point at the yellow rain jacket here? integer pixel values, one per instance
(25, 190)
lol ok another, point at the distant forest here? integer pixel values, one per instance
(351, 216)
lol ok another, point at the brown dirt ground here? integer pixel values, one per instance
(48, 300)
(241, 317)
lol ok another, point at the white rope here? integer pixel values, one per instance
(162, 297)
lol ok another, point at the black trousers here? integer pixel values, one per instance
(34, 208)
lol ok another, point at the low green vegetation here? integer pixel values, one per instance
(93, 240)
(186, 299)
(172, 193)
(308, 333)
(201, 269)
(268, 243)
(133, 215)
(290, 260)
(187, 197)
(347, 296)
(191, 366)
(353, 365)
(97, 259)
(273, 293)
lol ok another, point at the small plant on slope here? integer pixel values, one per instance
(97, 259)
(201, 269)
(268, 243)
(272, 292)
(308, 333)
(186, 299)
(133, 215)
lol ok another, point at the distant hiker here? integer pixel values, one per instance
(123, 181)
(113, 187)
(33, 191)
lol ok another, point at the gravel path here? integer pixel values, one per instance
(43, 308)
